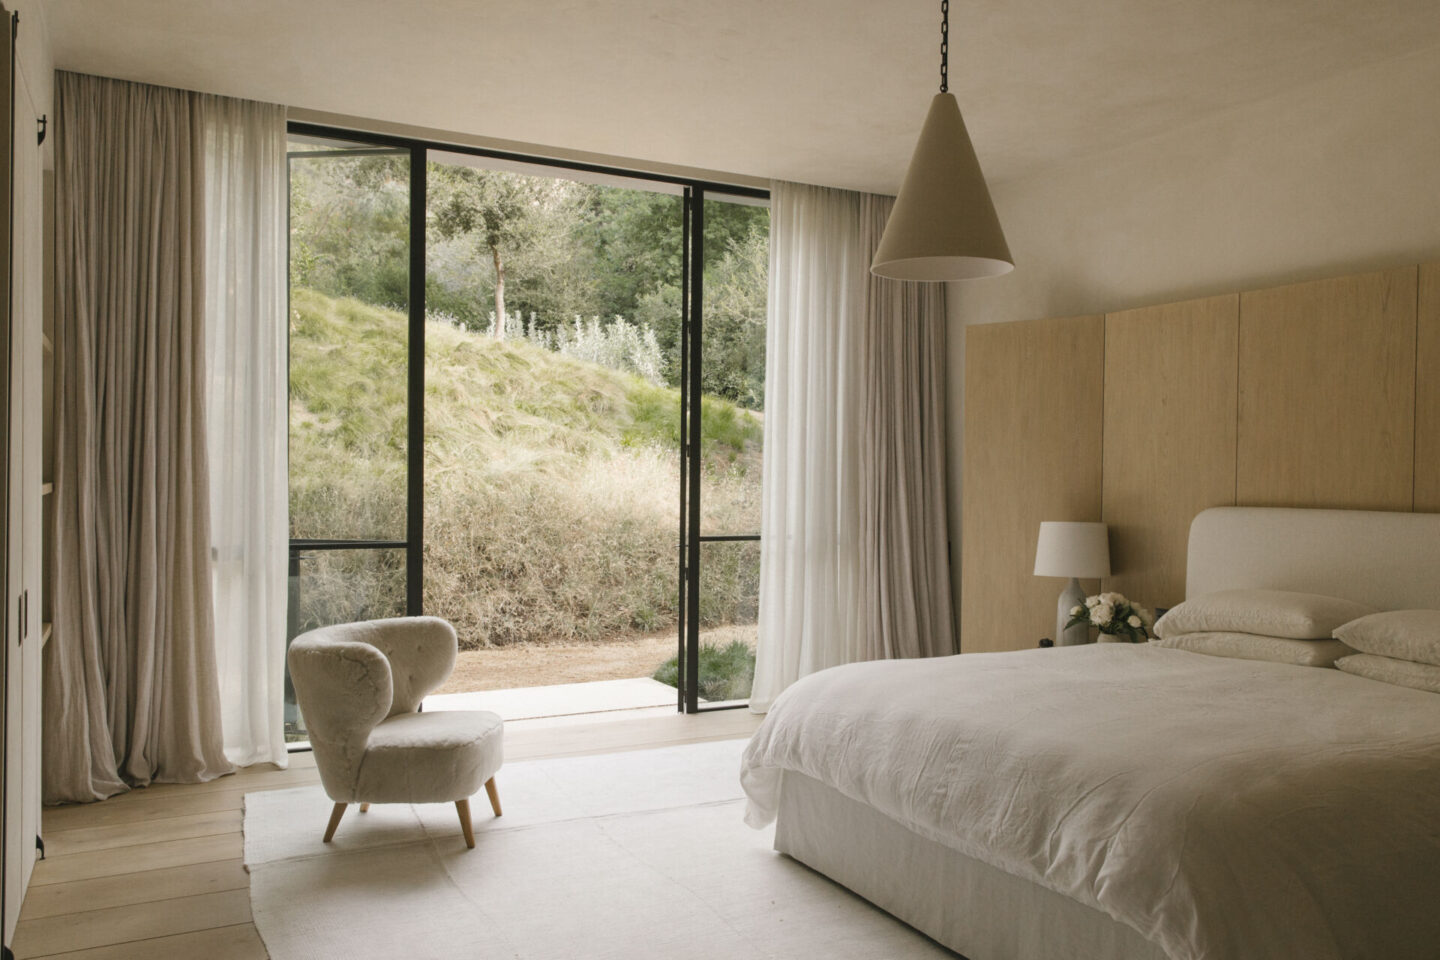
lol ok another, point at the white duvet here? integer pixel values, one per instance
(1225, 809)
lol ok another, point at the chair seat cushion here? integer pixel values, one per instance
(435, 757)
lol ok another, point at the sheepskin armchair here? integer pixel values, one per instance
(359, 687)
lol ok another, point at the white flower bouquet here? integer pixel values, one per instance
(1116, 617)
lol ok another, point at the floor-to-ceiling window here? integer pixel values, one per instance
(492, 366)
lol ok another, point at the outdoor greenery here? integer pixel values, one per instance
(551, 483)
(547, 251)
(726, 672)
(552, 427)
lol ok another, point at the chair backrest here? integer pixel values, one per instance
(351, 676)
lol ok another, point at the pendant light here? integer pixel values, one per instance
(943, 225)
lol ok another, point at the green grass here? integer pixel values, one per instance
(726, 671)
(551, 484)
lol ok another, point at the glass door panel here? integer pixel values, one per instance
(349, 385)
(732, 363)
(724, 444)
(551, 459)
(349, 340)
(729, 615)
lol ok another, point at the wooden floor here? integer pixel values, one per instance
(157, 873)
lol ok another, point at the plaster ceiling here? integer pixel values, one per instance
(821, 91)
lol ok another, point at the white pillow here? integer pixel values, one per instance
(1402, 634)
(1268, 613)
(1249, 646)
(1402, 673)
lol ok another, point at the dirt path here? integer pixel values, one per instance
(503, 668)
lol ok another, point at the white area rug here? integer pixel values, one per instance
(627, 856)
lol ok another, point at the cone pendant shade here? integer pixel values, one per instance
(943, 226)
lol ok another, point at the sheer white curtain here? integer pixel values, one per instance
(246, 333)
(810, 518)
(853, 562)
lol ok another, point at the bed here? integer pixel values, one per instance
(1131, 802)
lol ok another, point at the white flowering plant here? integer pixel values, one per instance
(1114, 616)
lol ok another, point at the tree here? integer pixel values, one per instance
(498, 209)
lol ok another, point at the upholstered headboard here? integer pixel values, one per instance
(1390, 561)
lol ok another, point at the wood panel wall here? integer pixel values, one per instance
(1322, 394)
(1327, 393)
(1169, 436)
(1033, 408)
(1427, 396)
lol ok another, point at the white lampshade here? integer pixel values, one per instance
(1068, 549)
(943, 225)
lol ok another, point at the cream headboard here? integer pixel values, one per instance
(1390, 561)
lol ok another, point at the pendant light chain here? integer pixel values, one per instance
(944, 46)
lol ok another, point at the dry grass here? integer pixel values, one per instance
(551, 485)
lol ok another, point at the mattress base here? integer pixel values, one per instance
(978, 910)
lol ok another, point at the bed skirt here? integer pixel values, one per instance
(971, 907)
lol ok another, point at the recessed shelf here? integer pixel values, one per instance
(46, 489)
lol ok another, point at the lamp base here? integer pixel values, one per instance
(1065, 636)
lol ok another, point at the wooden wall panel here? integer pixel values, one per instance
(1327, 393)
(1170, 406)
(1033, 407)
(1427, 392)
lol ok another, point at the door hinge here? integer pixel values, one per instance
(24, 615)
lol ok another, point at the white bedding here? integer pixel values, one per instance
(1224, 809)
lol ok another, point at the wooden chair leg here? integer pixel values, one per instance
(462, 807)
(494, 795)
(335, 816)
(364, 808)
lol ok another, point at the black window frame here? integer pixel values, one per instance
(690, 540)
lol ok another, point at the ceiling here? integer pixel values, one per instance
(821, 91)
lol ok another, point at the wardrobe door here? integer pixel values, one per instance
(27, 303)
(10, 663)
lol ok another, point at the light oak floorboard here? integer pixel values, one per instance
(79, 816)
(238, 942)
(60, 843)
(141, 857)
(140, 875)
(168, 883)
(136, 921)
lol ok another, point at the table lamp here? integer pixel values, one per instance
(1072, 550)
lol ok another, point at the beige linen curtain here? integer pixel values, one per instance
(854, 562)
(131, 693)
(905, 608)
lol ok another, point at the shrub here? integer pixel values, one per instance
(726, 671)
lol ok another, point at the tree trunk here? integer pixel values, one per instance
(499, 331)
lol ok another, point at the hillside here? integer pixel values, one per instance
(551, 483)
